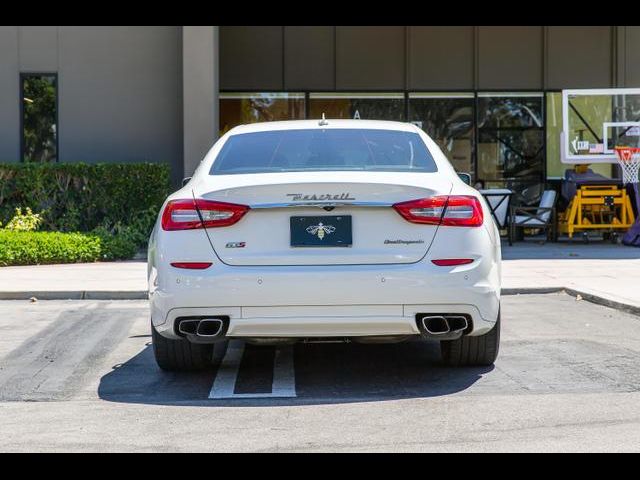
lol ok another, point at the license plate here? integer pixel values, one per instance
(325, 231)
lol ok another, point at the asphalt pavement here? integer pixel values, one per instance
(80, 376)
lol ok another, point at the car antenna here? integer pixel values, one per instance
(323, 121)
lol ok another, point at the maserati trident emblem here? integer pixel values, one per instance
(321, 230)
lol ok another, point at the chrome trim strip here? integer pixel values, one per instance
(320, 204)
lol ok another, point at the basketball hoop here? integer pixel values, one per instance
(629, 161)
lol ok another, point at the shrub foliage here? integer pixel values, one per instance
(32, 248)
(74, 197)
(115, 205)
(24, 222)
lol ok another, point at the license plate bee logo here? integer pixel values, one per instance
(321, 230)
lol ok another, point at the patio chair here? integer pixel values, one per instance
(541, 217)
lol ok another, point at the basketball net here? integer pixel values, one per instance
(629, 161)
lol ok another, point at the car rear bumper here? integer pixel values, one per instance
(320, 301)
(332, 321)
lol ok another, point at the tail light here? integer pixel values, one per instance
(192, 265)
(199, 213)
(452, 262)
(453, 210)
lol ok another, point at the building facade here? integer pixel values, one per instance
(489, 95)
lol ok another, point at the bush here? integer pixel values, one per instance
(24, 222)
(33, 248)
(121, 241)
(39, 248)
(115, 205)
(80, 197)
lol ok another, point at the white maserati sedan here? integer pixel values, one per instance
(311, 230)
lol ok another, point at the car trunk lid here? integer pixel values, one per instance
(327, 218)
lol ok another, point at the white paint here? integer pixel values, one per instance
(268, 273)
(283, 375)
(284, 379)
(227, 374)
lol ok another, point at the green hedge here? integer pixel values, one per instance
(80, 197)
(39, 248)
(33, 248)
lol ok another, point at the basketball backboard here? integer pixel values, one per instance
(594, 121)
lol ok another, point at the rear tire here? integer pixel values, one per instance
(481, 350)
(180, 355)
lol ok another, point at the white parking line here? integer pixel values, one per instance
(284, 376)
(284, 383)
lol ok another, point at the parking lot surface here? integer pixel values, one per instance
(80, 375)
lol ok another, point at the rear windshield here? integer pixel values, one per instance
(324, 150)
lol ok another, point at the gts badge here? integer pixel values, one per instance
(236, 245)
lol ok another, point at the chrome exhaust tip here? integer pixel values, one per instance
(209, 327)
(457, 323)
(443, 326)
(435, 325)
(188, 327)
(202, 330)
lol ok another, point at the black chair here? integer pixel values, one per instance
(541, 217)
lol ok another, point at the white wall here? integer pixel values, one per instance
(200, 93)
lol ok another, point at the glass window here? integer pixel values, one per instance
(365, 106)
(241, 108)
(511, 143)
(324, 150)
(448, 118)
(39, 117)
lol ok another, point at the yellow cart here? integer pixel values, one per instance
(605, 208)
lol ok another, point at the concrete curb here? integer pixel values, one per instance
(607, 302)
(531, 290)
(77, 295)
(589, 297)
(143, 295)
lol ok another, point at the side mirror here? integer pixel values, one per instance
(185, 181)
(465, 177)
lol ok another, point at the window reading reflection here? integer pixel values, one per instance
(448, 118)
(39, 118)
(511, 143)
(242, 108)
(365, 106)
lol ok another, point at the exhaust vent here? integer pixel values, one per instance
(202, 329)
(446, 326)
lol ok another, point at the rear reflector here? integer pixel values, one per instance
(199, 213)
(192, 265)
(452, 262)
(453, 211)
